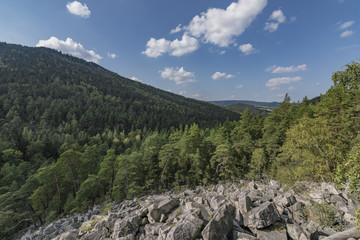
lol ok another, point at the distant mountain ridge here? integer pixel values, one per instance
(263, 107)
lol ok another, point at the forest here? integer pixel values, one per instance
(73, 134)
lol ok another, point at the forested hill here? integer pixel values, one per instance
(40, 85)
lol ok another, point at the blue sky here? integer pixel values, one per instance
(203, 49)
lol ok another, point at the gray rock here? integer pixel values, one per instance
(187, 229)
(350, 233)
(124, 227)
(204, 210)
(152, 229)
(271, 235)
(220, 225)
(295, 232)
(242, 236)
(220, 190)
(217, 201)
(164, 207)
(244, 204)
(69, 235)
(262, 216)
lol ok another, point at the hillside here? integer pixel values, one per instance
(40, 83)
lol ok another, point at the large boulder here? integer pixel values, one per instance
(186, 229)
(161, 208)
(220, 225)
(127, 226)
(271, 235)
(263, 216)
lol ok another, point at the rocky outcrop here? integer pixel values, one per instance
(234, 211)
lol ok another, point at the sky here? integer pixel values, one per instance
(203, 49)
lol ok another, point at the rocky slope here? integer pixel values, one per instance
(243, 210)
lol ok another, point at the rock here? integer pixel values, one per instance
(350, 233)
(217, 201)
(252, 185)
(220, 225)
(69, 235)
(285, 200)
(329, 187)
(186, 229)
(262, 216)
(204, 210)
(124, 227)
(295, 232)
(164, 207)
(220, 190)
(244, 204)
(271, 235)
(242, 236)
(152, 229)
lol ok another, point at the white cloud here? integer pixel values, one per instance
(176, 30)
(278, 69)
(220, 26)
(70, 47)
(219, 75)
(275, 19)
(291, 88)
(277, 16)
(111, 55)
(247, 49)
(78, 9)
(239, 86)
(182, 92)
(275, 82)
(185, 45)
(292, 19)
(135, 79)
(156, 48)
(222, 52)
(271, 26)
(346, 33)
(178, 75)
(281, 95)
(346, 25)
(317, 84)
(197, 95)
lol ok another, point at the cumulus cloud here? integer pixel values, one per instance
(346, 25)
(78, 9)
(197, 95)
(111, 55)
(182, 92)
(70, 47)
(219, 75)
(239, 86)
(158, 47)
(275, 82)
(178, 75)
(276, 18)
(135, 79)
(346, 33)
(220, 26)
(176, 30)
(292, 68)
(247, 49)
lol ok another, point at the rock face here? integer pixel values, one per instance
(220, 225)
(263, 216)
(234, 211)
